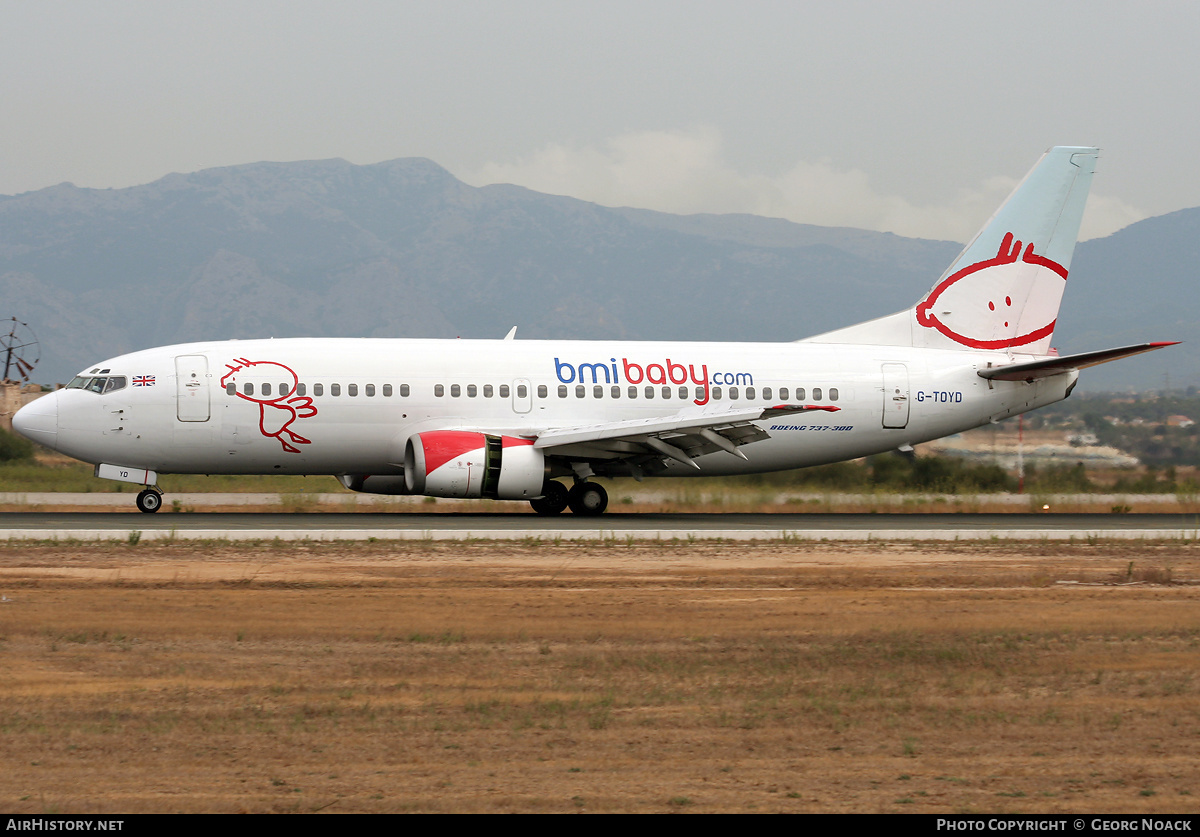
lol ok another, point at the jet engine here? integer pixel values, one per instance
(464, 463)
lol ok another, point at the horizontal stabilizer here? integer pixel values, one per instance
(1035, 369)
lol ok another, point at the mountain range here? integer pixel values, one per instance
(404, 249)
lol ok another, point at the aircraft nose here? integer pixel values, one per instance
(38, 420)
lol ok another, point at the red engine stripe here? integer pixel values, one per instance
(443, 445)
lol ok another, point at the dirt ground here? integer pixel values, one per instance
(415, 676)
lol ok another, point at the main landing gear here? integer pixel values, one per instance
(553, 500)
(586, 498)
(149, 500)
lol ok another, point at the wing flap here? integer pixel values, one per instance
(681, 437)
(678, 423)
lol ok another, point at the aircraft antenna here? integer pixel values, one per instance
(20, 349)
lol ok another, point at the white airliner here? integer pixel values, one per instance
(505, 419)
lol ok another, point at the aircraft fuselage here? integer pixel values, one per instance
(340, 406)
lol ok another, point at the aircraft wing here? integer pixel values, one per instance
(681, 437)
(1034, 369)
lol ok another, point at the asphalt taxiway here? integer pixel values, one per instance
(91, 526)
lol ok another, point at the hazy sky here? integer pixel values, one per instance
(913, 117)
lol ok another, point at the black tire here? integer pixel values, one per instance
(588, 499)
(553, 499)
(149, 501)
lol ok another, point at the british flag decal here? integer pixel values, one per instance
(143, 380)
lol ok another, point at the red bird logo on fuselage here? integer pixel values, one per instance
(275, 415)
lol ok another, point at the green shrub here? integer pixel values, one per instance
(14, 448)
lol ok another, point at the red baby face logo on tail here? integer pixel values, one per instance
(1010, 300)
(275, 415)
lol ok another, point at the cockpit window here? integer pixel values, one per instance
(100, 384)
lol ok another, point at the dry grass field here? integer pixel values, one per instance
(530, 677)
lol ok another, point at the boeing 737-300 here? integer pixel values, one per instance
(507, 419)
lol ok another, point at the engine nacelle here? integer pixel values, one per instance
(465, 463)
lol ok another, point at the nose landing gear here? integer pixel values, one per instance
(149, 501)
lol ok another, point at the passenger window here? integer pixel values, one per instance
(455, 391)
(387, 390)
(301, 389)
(562, 390)
(766, 393)
(616, 392)
(597, 391)
(318, 389)
(522, 391)
(504, 390)
(439, 390)
(352, 390)
(716, 393)
(816, 393)
(699, 393)
(370, 390)
(833, 394)
(633, 392)
(266, 389)
(666, 392)
(488, 392)
(580, 391)
(733, 393)
(335, 389)
(231, 389)
(649, 392)
(749, 393)
(472, 391)
(404, 390)
(248, 389)
(783, 393)
(542, 391)
(799, 393)
(283, 390)
(683, 392)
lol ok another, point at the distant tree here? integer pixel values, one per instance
(13, 448)
(1059, 479)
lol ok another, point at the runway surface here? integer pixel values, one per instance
(849, 527)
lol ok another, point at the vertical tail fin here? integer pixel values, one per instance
(1004, 289)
